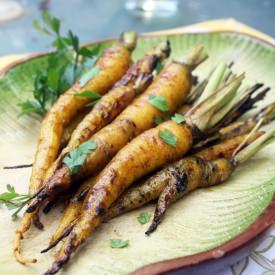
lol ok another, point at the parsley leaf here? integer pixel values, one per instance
(168, 137)
(144, 218)
(118, 243)
(92, 95)
(13, 200)
(160, 120)
(159, 102)
(88, 76)
(77, 156)
(89, 94)
(178, 118)
(159, 67)
(64, 66)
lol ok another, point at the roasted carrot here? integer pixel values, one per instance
(144, 154)
(150, 189)
(72, 211)
(192, 173)
(134, 82)
(171, 85)
(229, 139)
(112, 64)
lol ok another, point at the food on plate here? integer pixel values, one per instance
(191, 173)
(169, 142)
(150, 189)
(111, 65)
(163, 96)
(128, 133)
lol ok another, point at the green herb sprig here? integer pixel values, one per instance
(168, 137)
(77, 156)
(159, 102)
(13, 200)
(118, 243)
(90, 94)
(144, 218)
(178, 118)
(65, 65)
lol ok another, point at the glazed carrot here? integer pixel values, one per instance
(112, 64)
(73, 210)
(150, 189)
(172, 85)
(192, 173)
(144, 154)
(135, 81)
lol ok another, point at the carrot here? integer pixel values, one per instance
(73, 210)
(229, 139)
(144, 154)
(192, 173)
(150, 189)
(111, 65)
(134, 82)
(172, 85)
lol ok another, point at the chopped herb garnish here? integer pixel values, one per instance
(159, 102)
(118, 243)
(92, 104)
(77, 156)
(64, 66)
(13, 200)
(89, 94)
(178, 118)
(160, 120)
(93, 95)
(168, 137)
(159, 67)
(144, 217)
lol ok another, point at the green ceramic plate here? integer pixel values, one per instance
(203, 220)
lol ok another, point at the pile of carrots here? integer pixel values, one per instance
(115, 147)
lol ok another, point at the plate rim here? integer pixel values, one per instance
(263, 222)
(31, 56)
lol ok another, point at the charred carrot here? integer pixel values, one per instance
(171, 87)
(151, 188)
(192, 173)
(134, 82)
(112, 64)
(144, 154)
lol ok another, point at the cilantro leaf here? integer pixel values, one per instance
(118, 243)
(88, 76)
(178, 118)
(92, 104)
(144, 218)
(41, 29)
(168, 137)
(159, 67)
(31, 106)
(51, 22)
(89, 94)
(77, 156)
(160, 120)
(159, 102)
(13, 200)
(64, 66)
